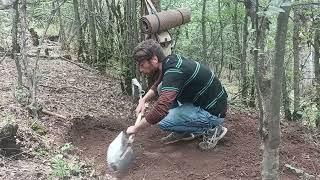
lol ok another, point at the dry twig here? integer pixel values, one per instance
(80, 65)
(53, 114)
(4, 56)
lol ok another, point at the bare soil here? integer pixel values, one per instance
(97, 111)
(237, 156)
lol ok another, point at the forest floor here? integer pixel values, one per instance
(96, 111)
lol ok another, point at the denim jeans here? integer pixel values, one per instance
(188, 118)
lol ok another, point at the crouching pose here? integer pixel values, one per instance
(192, 102)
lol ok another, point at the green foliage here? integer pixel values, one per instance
(41, 151)
(39, 128)
(66, 147)
(62, 166)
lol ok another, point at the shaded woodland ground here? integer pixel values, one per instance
(96, 111)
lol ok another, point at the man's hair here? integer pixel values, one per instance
(147, 49)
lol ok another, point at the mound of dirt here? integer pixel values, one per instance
(93, 135)
(237, 156)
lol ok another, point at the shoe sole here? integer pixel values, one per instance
(225, 130)
(182, 139)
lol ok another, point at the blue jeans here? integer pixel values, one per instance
(188, 118)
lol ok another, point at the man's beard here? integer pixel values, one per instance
(153, 73)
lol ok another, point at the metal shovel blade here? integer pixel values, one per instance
(120, 154)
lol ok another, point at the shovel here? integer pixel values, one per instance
(120, 153)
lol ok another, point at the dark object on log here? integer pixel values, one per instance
(164, 20)
(34, 37)
(67, 56)
(46, 52)
(8, 145)
(54, 38)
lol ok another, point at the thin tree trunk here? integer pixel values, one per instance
(285, 97)
(135, 33)
(296, 64)
(236, 36)
(79, 30)
(23, 24)
(62, 35)
(92, 26)
(128, 45)
(243, 61)
(204, 32)
(317, 72)
(221, 38)
(270, 163)
(263, 86)
(15, 45)
(110, 30)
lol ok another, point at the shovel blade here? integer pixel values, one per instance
(120, 154)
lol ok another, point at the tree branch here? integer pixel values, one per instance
(53, 114)
(4, 56)
(80, 65)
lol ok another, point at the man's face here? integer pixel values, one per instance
(148, 67)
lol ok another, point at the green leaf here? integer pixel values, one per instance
(276, 3)
(261, 13)
(273, 11)
(286, 4)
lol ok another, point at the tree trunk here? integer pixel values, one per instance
(270, 163)
(237, 39)
(263, 85)
(62, 35)
(135, 34)
(15, 45)
(317, 71)
(80, 38)
(243, 62)
(296, 64)
(285, 97)
(128, 46)
(92, 27)
(204, 33)
(219, 71)
(110, 29)
(15, 21)
(24, 28)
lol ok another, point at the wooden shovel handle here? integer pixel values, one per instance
(138, 118)
(131, 137)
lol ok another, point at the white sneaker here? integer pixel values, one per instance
(212, 136)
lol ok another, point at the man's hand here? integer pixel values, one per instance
(132, 130)
(138, 127)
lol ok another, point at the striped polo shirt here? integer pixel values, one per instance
(188, 81)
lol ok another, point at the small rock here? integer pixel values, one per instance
(39, 174)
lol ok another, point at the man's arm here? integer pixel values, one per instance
(141, 106)
(142, 124)
(149, 95)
